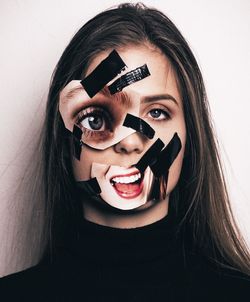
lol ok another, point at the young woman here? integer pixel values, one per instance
(137, 206)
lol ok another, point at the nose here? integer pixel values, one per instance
(130, 144)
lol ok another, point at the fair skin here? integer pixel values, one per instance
(163, 112)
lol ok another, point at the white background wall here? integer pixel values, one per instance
(33, 34)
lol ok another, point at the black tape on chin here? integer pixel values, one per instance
(107, 70)
(90, 187)
(166, 157)
(150, 156)
(139, 125)
(129, 78)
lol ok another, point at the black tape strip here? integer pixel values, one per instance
(139, 125)
(91, 186)
(157, 192)
(107, 70)
(129, 78)
(76, 140)
(77, 149)
(77, 132)
(166, 157)
(150, 156)
(77, 143)
(67, 133)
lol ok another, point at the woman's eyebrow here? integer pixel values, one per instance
(157, 97)
(122, 97)
(105, 92)
(73, 92)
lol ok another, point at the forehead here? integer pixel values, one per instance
(162, 78)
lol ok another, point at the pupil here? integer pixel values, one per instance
(155, 113)
(95, 122)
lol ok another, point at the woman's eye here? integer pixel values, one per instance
(158, 114)
(94, 122)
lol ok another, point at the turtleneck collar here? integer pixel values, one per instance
(106, 244)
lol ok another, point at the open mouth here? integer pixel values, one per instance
(128, 186)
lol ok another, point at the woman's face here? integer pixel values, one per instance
(156, 100)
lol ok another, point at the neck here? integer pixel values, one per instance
(146, 214)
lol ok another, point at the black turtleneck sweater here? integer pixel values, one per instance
(148, 263)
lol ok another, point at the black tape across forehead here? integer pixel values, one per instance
(150, 156)
(90, 187)
(129, 78)
(166, 156)
(139, 125)
(106, 71)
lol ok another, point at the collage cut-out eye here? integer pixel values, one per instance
(95, 121)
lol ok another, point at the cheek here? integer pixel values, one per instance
(82, 167)
(176, 167)
(174, 172)
(165, 131)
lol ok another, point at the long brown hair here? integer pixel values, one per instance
(200, 198)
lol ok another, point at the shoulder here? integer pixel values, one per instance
(47, 281)
(33, 284)
(212, 282)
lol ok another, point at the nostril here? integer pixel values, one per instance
(123, 150)
(126, 150)
(131, 144)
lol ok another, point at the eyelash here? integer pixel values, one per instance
(103, 134)
(94, 111)
(162, 111)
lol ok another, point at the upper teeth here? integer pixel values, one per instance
(127, 179)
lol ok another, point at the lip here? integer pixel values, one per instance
(129, 195)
